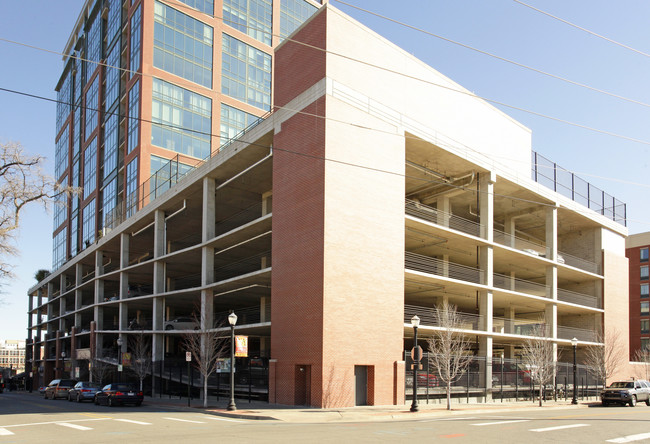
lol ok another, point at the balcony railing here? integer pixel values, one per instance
(519, 285)
(425, 264)
(438, 217)
(578, 298)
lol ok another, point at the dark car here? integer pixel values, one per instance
(58, 388)
(119, 394)
(83, 391)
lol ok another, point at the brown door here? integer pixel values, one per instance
(303, 377)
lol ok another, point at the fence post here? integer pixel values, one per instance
(501, 378)
(468, 381)
(517, 379)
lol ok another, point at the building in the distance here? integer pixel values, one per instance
(637, 247)
(375, 190)
(12, 355)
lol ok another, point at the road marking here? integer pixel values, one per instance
(222, 419)
(631, 438)
(53, 422)
(5, 432)
(133, 422)
(500, 422)
(186, 420)
(73, 426)
(548, 429)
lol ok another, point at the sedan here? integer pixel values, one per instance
(83, 391)
(119, 394)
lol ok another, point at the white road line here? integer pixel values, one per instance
(500, 422)
(55, 422)
(5, 432)
(73, 426)
(186, 420)
(133, 422)
(549, 429)
(214, 418)
(631, 438)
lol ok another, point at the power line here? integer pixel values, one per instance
(622, 45)
(503, 59)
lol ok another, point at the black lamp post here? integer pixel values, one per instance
(415, 322)
(574, 342)
(119, 359)
(232, 320)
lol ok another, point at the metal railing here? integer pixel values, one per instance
(426, 264)
(578, 298)
(519, 285)
(442, 218)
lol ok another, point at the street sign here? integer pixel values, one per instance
(419, 353)
(188, 356)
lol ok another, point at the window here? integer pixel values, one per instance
(134, 116)
(64, 100)
(75, 183)
(94, 45)
(643, 254)
(182, 45)
(645, 308)
(109, 202)
(645, 326)
(165, 173)
(114, 20)
(645, 343)
(88, 227)
(644, 272)
(74, 235)
(206, 6)
(293, 13)
(132, 187)
(90, 168)
(61, 154)
(76, 131)
(112, 77)
(135, 41)
(233, 121)
(60, 210)
(58, 249)
(645, 291)
(185, 120)
(252, 17)
(111, 141)
(246, 73)
(92, 106)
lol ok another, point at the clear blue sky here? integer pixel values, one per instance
(502, 27)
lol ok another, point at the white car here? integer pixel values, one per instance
(182, 323)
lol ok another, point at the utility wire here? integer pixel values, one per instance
(622, 45)
(503, 59)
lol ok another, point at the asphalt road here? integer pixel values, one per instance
(31, 419)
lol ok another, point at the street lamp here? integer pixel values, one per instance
(574, 342)
(232, 320)
(62, 364)
(119, 357)
(415, 322)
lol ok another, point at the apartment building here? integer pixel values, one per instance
(637, 247)
(12, 355)
(376, 189)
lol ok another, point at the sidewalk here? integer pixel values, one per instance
(265, 411)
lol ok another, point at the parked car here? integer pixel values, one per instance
(83, 391)
(58, 388)
(41, 389)
(119, 394)
(182, 323)
(626, 392)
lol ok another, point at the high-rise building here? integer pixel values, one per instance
(376, 189)
(146, 81)
(637, 247)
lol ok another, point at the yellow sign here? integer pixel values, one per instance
(241, 346)
(126, 359)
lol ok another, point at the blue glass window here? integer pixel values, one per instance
(114, 20)
(293, 13)
(132, 187)
(88, 225)
(92, 106)
(74, 235)
(112, 77)
(182, 45)
(134, 117)
(109, 202)
(94, 45)
(111, 141)
(246, 73)
(64, 101)
(185, 120)
(206, 6)
(58, 249)
(78, 82)
(90, 168)
(233, 121)
(60, 209)
(252, 17)
(136, 26)
(61, 154)
(165, 173)
(75, 183)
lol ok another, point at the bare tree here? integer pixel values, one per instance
(450, 349)
(22, 181)
(207, 346)
(643, 355)
(538, 355)
(100, 367)
(140, 356)
(605, 359)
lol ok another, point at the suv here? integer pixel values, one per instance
(626, 392)
(59, 388)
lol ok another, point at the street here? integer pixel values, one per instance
(30, 418)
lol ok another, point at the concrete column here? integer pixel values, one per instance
(124, 262)
(157, 346)
(267, 203)
(510, 230)
(99, 263)
(58, 362)
(551, 233)
(61, 313)
(50, 309)
(73, 352)
(263, 301)
(209, 209)
(486, 204)
(444, 207)
(509, 326)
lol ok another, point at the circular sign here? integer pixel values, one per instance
(415, 357)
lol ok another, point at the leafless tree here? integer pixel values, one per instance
(22, 181)
(140, 356)
(207, 346)
(100, 367)
(450, 350)
(538, 355)
(643, 356)
(605, 359)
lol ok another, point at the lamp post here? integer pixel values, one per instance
(415, 322)
(119, 359)
(232, 320)
(574, 342)
(62, 364)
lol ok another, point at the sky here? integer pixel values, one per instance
(504, 28)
